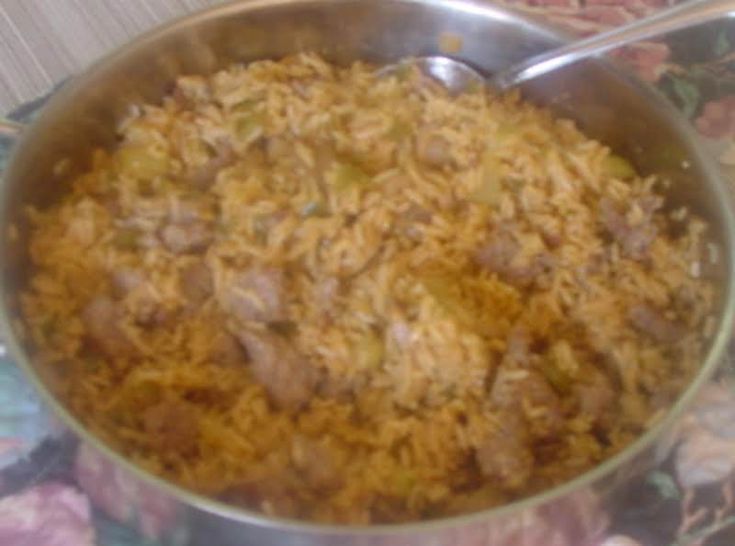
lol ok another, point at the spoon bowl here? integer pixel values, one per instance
(457, 76)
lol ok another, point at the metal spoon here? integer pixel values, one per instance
(457, 76)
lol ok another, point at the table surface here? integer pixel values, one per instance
(43, 41)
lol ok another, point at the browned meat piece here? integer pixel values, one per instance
(527, 391)
(497, 254)
(315, 463)
(286, 375)
(187, 238)
(505, 455)
(256, 294)
(126, 279)
(101, 317)
(595, 395)
(432, 149)
(204, 176)
(500, 256)
(144, 303)
(172, 425)
(196, 282)
(225, 350)
(634, 239)
(652, 322)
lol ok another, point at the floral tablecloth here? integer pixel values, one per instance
(48, 494)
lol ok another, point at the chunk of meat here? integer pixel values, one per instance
(225, 350)
(173, 426)
(315, 463)
(505, 256)
(255, 294)
(141, 297)
(196, 282)
(635, 238)
(288, 377)
(652, 322)
(595, 395)
(433, 149)
(101, 318)
(505, 455)
(528, 392)
(126, 279)
(187, 238)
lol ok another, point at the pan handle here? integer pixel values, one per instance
(10, 132)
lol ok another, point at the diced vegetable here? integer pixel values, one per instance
(556, 378)
(283, 327)
(140, 162)
(399, 130)
(616, 166)
(314, 208)
(491, 187)
(126, 239)
(249, 125)
(369, 351)
(443, 289)
(246, 105)
(349, 175)
(404, 481)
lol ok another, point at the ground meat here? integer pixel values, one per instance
(255, 294)
(102, 318)
(172, 425)
(651, 321)
(634, 238)
(196, 282)
(505, 455)
(288, 377)
(433, 149)
(187, 238)
(527, 391)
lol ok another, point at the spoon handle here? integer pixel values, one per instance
(682, 16)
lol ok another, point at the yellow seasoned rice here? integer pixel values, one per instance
(336, 297)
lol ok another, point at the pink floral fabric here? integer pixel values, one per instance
(124, 500)
(51, 514)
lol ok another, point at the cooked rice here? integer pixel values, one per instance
(447, 302)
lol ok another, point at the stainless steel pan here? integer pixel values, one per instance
(607, 104)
